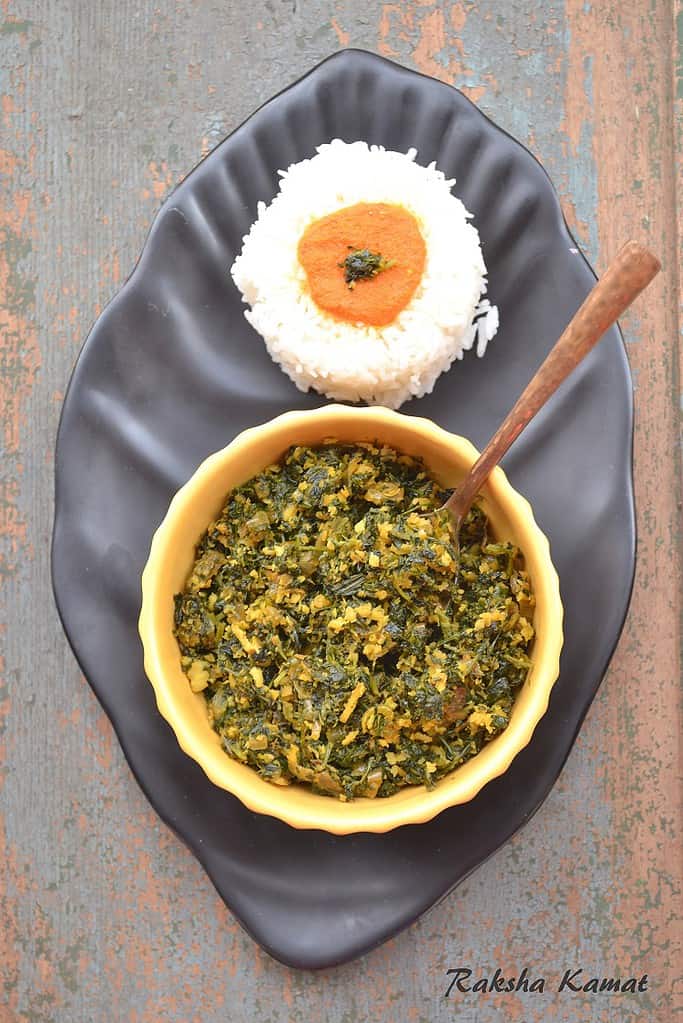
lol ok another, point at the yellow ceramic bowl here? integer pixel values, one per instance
(171, 558)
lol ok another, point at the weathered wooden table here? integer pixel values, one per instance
(104, 915)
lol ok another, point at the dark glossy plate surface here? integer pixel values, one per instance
(172, 371)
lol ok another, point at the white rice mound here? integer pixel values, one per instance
(355, 362)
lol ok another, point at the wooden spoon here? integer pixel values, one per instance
(624, 279)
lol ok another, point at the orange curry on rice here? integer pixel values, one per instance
(389, 238)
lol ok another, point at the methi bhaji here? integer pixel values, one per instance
(339, 638)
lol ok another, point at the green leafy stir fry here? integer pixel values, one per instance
(339, 638)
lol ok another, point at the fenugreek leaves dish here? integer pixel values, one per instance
(221, 644)
(340, 638)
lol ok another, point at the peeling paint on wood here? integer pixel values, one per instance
(103, 913)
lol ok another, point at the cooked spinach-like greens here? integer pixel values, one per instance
(337, 635)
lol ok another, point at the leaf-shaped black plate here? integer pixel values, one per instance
(172, 371)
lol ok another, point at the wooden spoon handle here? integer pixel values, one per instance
(631, 271)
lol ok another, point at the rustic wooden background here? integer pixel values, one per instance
(104, 915)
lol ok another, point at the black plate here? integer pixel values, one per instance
(171, 371)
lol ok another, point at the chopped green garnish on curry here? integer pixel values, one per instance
(362, 265)
(339, 637)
